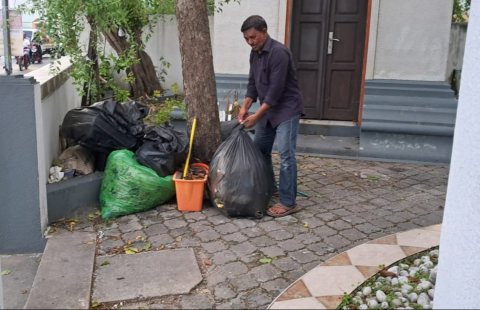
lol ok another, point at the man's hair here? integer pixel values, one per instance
(254, 21)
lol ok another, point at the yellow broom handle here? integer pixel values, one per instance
(194, 125)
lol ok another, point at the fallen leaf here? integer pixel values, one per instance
(105, 263)
(24, 291)
(95, 304)
(5, 272)
(207, 262)
(265, 260)
(147, 246)
(131, 251)
(305, 225)
(386, 273)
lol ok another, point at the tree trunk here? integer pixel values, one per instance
(146, 81)
(199, 76)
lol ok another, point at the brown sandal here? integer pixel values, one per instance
(287, 210)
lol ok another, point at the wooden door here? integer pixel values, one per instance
(327, 42)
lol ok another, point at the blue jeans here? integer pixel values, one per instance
(286, 134)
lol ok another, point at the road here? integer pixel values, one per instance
(32, 67)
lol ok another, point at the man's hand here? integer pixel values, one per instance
(242, 115)
(250, 121)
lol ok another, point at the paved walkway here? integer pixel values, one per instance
(247, 263)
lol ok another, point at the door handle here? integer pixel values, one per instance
(330, 42)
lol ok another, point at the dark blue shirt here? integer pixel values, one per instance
(272, 79)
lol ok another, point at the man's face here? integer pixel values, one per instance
(256, 39)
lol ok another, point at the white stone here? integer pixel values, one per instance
(372, 303)
(363, 307)
(403, 280)
(431, 293)
(381, 297)
(433, 275)
(423, 299)
(396, 302)
(412, 297)
(425, 285)
(417, 262)
(433, 253)
(428, 264)
(367, 290)
(384, 305)
(403, 266)
(403, 273)
(425, 258)
(359, 294)
(394, 281)
(398, 294)
(394, 269)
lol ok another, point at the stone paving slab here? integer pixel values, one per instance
(64, 277)
(145, 275)
(17, 283)
(247, 263)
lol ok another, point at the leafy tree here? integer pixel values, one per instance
(124, 24)
(461, 10)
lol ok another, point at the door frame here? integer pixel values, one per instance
(288, 30)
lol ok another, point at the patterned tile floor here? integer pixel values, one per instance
(323, 286)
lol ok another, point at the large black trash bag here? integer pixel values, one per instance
(227, 127)
(164, 149)
(239, 181)
(105, 126)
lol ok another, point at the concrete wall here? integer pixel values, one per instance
(58, 96)
(31, 109)
(23, 212)
(412, 39)
(458, 270)
(230, 52)
(164, 42)
(458, 36)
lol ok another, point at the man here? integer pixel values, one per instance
(273, 81)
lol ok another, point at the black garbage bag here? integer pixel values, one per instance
(239, 181)
(105, 126)
(164, 149)
(227, 127)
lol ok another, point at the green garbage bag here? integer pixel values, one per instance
(128, 187)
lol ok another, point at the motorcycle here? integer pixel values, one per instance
(24, 60)
(36, 53)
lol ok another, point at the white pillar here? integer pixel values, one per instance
(458, 280)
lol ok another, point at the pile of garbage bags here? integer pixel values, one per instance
(138, 160)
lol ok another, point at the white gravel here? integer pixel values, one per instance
(411, 287)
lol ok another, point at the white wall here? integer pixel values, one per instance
(230, 52)
(52, 109)
(458, 277)
(165, 43)
(412, 40)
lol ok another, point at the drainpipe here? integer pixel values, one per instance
(7, 54)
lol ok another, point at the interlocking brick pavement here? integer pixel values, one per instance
(246, 263)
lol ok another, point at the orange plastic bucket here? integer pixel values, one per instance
(190, 192)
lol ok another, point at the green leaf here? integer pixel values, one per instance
(265, 260)
(105, 263)
(5, 272)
